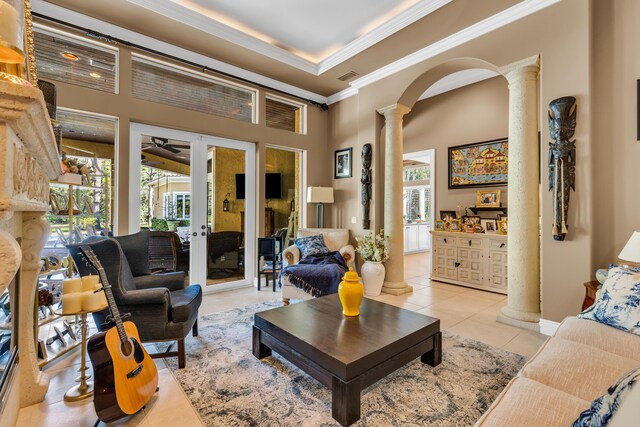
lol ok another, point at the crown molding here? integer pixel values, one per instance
(192, 18)
(500, 19)
(397, 23)
(458, 80)
(85, 21)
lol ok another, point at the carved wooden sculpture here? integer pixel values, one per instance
(365, 180)
(562, 160)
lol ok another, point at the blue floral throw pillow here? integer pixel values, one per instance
(605, 407)
(312, 245)
(619, 304)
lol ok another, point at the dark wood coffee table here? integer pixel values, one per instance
(347, 354)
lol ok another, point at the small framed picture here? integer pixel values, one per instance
(502, 227)
(502, 216)
(447, 216)
(343, 163)
(471, 219)
(455, 226)
(468, 228)
(488, 198)
(490, 226)
(439, 225)
(478, 228)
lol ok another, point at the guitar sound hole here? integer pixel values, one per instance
(126, 348)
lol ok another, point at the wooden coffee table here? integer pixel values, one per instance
(347, 354)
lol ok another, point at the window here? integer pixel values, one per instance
(168, 84)
(74, 60)
(284, 114)
(417, 173)
(417, 204)
(182, 205)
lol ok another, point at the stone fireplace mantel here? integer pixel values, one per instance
(28, 161)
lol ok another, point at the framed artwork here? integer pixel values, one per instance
(478, 228)
(455, 225)
(439, 225)
(447, 216)
(488, 198)
(471, 219)
(490, 226)
(502, 227)
(503, 216)
(343, 163)
(483, 164)
(468, 228)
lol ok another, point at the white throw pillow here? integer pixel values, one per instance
(619, 304)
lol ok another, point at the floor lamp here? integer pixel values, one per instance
(320, 196)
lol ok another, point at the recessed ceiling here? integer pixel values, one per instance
(312, 36)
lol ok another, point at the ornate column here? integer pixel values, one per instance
(523, 256)
(28, 160)
(393, 223)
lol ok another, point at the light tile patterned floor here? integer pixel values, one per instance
(463, 311)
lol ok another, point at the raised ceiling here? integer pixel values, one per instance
(155, 20)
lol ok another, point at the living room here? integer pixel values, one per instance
(232, 171)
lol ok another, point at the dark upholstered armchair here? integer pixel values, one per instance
(160, 305)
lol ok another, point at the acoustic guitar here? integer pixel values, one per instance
(125, 376)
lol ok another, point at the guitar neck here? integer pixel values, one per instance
(115, 313)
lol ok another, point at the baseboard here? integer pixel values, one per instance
(548, 327)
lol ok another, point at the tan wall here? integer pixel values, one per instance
(565, 70)
(474, 113)
(616, 66)
(160, 190)
(227, 164)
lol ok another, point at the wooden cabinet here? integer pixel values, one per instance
(416, 238)
(474, 260)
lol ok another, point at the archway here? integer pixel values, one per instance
(523, 307)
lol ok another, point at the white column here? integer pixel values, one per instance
(523, 306)
(393, 223)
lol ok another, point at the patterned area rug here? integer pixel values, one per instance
(230, 387)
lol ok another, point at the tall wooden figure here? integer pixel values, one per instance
(562, 160)
(365, 180)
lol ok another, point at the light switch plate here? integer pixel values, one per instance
(354, 220)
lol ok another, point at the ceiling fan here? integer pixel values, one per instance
(163, 143)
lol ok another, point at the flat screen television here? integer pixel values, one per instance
(272, 186)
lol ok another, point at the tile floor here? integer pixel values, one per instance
(467, 312)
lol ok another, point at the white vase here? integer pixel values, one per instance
(372, 278)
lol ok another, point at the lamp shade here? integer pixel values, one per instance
(631, 251)
(319, 194)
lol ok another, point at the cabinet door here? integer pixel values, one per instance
(498, 269)
(407, 232)
(444, 263)
(470, 269)
(423, 238)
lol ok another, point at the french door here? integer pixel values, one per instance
(202, 188)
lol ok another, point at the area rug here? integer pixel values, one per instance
(228, 386)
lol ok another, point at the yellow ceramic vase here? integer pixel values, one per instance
(351, 293)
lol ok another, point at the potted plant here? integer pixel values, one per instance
(374, 250)
(172, 221)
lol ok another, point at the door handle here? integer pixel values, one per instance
(501, 245)
(456, 264)
(469, 242)
(195, 234)
(203, 234)
(445, 240)
(202, 227)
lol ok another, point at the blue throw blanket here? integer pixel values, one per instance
(318, 275)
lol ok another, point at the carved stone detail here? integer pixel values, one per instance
(28, 179)
(10, 259)
(34, 383)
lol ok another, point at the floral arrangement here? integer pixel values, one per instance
(373, 247)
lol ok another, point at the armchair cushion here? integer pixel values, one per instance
(173, 281)
(311, 245)
(136, 250)
(185, 303)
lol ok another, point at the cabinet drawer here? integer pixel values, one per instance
(470, 242)
(444, 240)
(500, 245)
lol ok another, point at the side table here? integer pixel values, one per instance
(590, 293)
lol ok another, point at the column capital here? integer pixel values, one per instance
(394, 110)
(519, 68)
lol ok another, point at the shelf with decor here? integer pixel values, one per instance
(476, 209)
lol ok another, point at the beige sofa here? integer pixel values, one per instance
(571, 369)
(336, 239)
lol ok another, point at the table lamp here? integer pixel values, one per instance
(631, 251)
(319, 195)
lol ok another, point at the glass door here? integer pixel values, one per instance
(197, 198)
